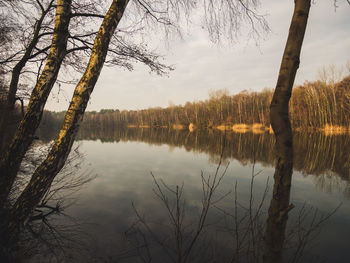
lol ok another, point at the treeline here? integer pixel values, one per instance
(317, 104)
(316, 153)
(313, 105)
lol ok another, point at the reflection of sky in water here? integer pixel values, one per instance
(123, 171)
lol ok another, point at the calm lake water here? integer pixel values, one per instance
(123, 160)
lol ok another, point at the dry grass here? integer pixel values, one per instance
(241, 128)
(223, 127)
(191, 127)
(259, 128)
(334, 129)
(178, 127)
(256, 128)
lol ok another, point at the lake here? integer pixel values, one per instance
(128, 211)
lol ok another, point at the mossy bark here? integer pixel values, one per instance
(10, 162)
(44, 175)
(280, 122)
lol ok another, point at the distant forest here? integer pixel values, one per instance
(314, 105)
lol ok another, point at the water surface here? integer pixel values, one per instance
(123, 161)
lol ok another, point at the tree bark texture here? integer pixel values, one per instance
(280, 122)
(16, 72)
(44, 175)
(10, 162)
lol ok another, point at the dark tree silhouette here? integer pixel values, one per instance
(279, 117)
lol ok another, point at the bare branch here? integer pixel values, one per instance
(87, 15)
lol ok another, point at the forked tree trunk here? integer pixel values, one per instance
(43, 176)
(280, 122)
(16, 72)
(10, 162)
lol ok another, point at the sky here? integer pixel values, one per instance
(202, 66)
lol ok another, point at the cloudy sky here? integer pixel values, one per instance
(201, 66)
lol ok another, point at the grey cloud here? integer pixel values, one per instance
(201, 65)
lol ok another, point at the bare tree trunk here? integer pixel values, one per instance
(10, 162)
(16, 72)
(280, 122)
(43, 176)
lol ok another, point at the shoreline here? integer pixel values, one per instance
(257, 128)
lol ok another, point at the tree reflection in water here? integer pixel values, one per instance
(317, 153)
(220, 228)
(50, 234)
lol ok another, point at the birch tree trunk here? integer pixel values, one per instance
(16, 72)
(43, 176)
(10, 162)
(280, 122)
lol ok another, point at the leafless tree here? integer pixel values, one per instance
(238, 231)
(50, 230)
(180, 238)
(281, 125)
(151, 12)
